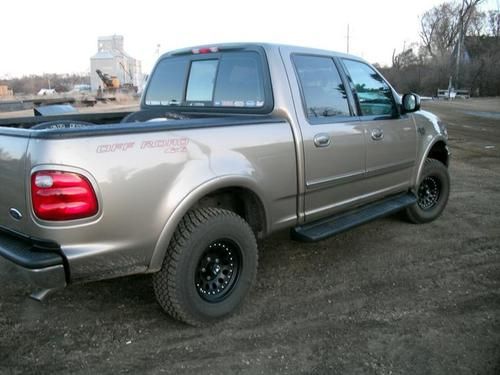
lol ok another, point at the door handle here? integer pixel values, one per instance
(377, 134)
(322, 140)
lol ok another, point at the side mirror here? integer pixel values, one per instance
(410, 103)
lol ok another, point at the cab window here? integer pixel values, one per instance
(323, 91)
(240, 81)
(232, 80)
(374, 95)
(167, 87)
(201, 81)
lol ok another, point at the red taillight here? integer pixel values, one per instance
(59, 196)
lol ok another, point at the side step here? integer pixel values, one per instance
(332, 225)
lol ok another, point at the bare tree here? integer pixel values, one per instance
(458, 40)
(493, 27)
(439, 28)
(445, 24)
(405, 58)
(33, 83)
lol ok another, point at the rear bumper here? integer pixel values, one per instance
(43, 268)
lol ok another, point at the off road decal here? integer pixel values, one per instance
(169, 146)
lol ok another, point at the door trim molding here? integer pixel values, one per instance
(390, 168)
(320, 183)
(337, 180)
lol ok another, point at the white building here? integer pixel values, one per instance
(112, 59)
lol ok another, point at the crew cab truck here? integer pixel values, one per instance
(231, 143)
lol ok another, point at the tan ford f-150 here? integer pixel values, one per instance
(232, 142)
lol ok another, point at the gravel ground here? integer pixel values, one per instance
(386, 298)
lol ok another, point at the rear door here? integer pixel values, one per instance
(13, 211)
(333, 140)
(390, 137)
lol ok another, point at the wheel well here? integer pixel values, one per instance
(241, 201)
(439, 152)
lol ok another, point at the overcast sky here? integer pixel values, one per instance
(56, 36)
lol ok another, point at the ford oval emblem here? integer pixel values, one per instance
(16, 215)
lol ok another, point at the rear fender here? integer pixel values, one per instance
(190, 201)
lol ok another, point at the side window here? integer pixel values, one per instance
(323, 90)
(375, 96)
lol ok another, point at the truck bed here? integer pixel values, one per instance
(141, 171)
(97, 118)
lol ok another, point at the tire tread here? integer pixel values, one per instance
(164, 282)
(412, 212)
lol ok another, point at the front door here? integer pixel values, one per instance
(390, 138)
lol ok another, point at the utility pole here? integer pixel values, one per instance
(459, 52)
(347, 37)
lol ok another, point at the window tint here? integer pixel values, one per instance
(231, 79)
(201, 80)
(323, 90)
(167, 85)
(375, 96)
(240, 81)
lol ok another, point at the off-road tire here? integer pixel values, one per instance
(175, 285)
(433, 191)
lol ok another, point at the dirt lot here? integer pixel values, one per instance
(385, 298)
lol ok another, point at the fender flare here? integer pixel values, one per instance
(436, 139)
(189, 200)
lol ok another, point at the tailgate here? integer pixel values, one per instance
(12, 182)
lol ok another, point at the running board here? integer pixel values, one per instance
(332, 225)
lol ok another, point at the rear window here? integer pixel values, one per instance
(201, 81)
(167, 86)
(227, 80)
(240, 81)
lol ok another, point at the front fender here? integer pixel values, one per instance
(425, 154)
(430, 131)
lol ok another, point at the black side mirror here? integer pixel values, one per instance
(410, 103)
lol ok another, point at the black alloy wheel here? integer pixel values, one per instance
(218, 270)
(429, 192)
(432, 193)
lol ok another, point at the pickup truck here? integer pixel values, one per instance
(232, 142)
